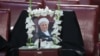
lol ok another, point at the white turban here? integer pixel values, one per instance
(43, 20)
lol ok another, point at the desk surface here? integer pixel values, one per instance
(38, 52)
(33, 48)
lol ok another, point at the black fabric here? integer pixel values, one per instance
(18, 36)
(2, 43)
(67, 53)
(70, 34)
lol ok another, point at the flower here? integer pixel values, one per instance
(56, 41)
(59, 12)
(29, 10)
(30, 35)
(36, 12)
(50, 12)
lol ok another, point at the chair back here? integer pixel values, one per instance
(52, 3)
(16, 8)
(4, 23)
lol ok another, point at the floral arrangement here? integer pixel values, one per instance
(30, 26)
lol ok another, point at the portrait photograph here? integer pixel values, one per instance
(43, 28)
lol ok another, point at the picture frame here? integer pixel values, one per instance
(45, 25)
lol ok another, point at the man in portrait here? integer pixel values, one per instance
(44, 32)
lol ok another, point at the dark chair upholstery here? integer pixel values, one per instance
(4, 30)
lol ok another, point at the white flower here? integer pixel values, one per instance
(56, 40)
(30, 35)
(59, 38)
(59, 12)
(44, 13)
(43, 44)
(29, 10)
(51, 13)
(55, 18)
(30, 24)
(58, 22)
(30, 30)
(54, 31)
(55, 26)
(57, 33)
(60, 27)
(36, 12)
(28, 19)
(46, 8)
(49, 44)
(56, 46)
(36, 43)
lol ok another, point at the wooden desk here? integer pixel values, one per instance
(35, 52)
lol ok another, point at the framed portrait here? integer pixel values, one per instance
(43, 28)
(45, 25)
